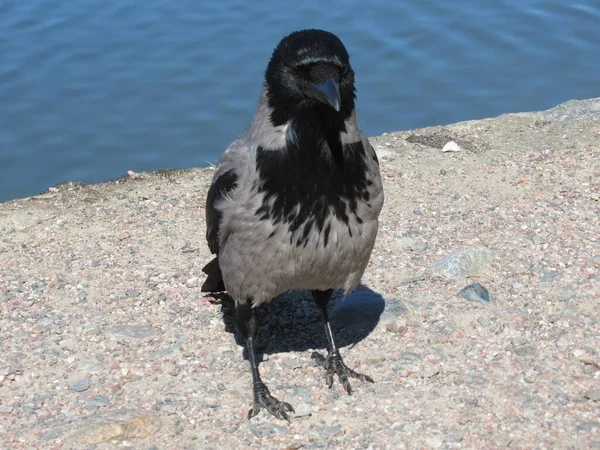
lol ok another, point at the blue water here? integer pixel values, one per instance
(92, 88)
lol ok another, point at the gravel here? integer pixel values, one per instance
(107, 342)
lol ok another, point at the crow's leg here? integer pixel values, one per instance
(333, 364)
(246, 323)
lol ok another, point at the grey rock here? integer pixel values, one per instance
(97, 401)
(465, 263)
(475, 293)
(537, 240)
(524, 350)
(394, 309)
(566, 293)
(455, 437)
(548, 276)
(412, 245)
(303, 410)
(192, 282)
(407, 359)
(5, 409)
(593, 394)
(415, 279)
(502, 440)
(133, 331)
(80, 385)
(588, 426)
(131, 293)
(89, 364)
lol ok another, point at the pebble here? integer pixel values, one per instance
(548, 276)
(429, 370)
(475, 293)
(413, 245)
(192, 282)
(451, 147)
(589, 426)
(524, 350)
(502, 440)
(593, 394)
(394, 309)
(89, 364)
(408, 359)
(80, 385)
(97, 401)
(566, 293)
(434, 442)
(303, 410)
(465, 263)
(131, 293)
(5, 409)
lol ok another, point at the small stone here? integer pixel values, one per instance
(303, 410)
(566, 293)
(593, 394)
(415, 279)
(588, 426)
(524, 350)
(80, 385)
(465, 263)
(192, 282)
(502, 440)
(455, 438)
(434, 442)
(396, 328)
(89, 364)
(97, 401)
(5, 409)
(537, 240)
(130, 293)
(548, 276)
(418, 212)
(407, 359)
(429, 370)
(443, 172)
(410, 244)
(451, 147)
(475, 293)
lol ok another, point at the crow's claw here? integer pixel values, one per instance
(334, 365)
(264, 399)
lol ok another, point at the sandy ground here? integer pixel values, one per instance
(107, 342)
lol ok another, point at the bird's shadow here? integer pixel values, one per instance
(292, 321)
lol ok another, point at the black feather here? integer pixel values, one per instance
(220, 187)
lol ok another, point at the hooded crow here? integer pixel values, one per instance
(295, 199)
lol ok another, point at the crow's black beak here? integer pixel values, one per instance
(327, 92)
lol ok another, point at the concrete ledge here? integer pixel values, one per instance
(81, 261)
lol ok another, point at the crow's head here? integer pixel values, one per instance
(310, 69)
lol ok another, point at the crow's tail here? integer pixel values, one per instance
(214, 280)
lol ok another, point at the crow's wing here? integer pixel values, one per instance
(231, 167)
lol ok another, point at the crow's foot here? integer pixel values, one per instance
(264, 399)
(334, 365)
